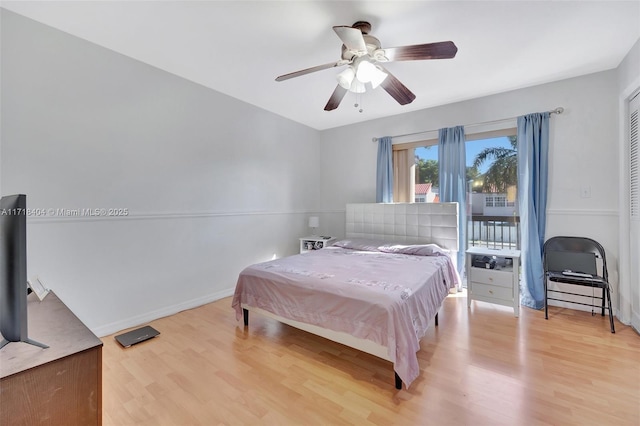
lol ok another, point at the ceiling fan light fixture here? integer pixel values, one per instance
(366, 71)
(357, 86)
(378, 77)
(346, 77)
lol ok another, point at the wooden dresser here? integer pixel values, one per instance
(61, 385)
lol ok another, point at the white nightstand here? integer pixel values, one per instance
(500, 285)
(315, 243)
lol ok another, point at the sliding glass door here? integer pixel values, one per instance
(493, 219)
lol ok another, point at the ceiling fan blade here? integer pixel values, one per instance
(310, 70)
(351, 38)
(396, 89)
(336, 98)
(440, 50)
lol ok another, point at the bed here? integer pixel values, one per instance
(377, 290)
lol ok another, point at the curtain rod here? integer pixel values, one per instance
(558, 111)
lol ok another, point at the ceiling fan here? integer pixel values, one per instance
(363, 54)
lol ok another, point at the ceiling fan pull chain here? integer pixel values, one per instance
(358, 102)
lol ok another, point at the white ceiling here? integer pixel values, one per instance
(239, 47)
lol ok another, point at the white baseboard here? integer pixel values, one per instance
(108, 329)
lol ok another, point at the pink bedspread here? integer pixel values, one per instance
(387, 298)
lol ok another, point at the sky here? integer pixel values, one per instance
(472, 149)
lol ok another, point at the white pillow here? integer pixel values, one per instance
(359, 244)
(387, 247)
(416, 249)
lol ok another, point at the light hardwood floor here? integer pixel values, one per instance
(480, 366)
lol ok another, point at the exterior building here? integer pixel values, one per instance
(426, 193)
(494, 220)
(493, 204)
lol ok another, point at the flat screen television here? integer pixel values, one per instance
(13, 270)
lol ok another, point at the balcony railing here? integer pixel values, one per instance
(494, 231)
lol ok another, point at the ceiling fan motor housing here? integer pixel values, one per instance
(363, 26)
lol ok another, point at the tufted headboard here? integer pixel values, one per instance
(405, 223)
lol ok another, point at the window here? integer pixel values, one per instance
(491, 183)
(497, 201)
(426, 174)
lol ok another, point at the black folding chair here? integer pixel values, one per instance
(573, 260)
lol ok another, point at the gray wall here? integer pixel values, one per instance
(211, 184)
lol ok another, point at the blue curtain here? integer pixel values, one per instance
(453, 187)
(384, 173)
(533, 149)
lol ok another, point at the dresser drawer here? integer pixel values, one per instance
(495, 292)
(492, 276)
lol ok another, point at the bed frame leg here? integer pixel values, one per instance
(436, 319)
(245, 314)
(398, 381)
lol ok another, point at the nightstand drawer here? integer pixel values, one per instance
(484, 290)
(492, 277)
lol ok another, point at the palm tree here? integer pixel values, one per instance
(503, 172)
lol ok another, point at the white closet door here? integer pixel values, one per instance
(634, 157)
(634, 206)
